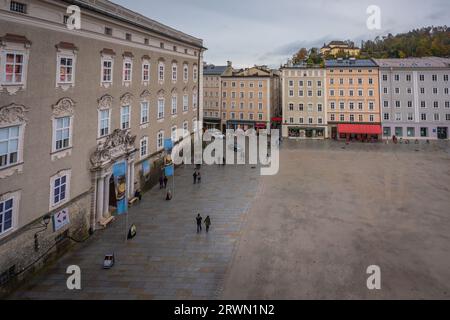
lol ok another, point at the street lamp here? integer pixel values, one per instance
(43, 227)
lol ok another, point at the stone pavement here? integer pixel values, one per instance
(167, 259)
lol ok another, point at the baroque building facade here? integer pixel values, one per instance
(250, 98)
(75, 107)
(415, 98)
(304, 102)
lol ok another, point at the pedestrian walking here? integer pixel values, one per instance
(161, 182)
(169, 195)
(207, 223)
(199, 178)
(165, 182)
(195, 177)
(199, 223)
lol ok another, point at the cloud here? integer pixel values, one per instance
(252, 32)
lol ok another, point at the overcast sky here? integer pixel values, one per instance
(250, 32)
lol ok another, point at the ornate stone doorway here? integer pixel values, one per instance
(117, 147)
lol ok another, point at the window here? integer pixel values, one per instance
(352, 118)
(399, 131)
(174, 105)
(60, 185)
(65, 69)
(387, 131)
(260, 116)
(437, 117)
(332, 117)
(125, 117)
(104, 122)
(185, 103)
(14, 68)
(342, 117)
(410, 132)
(185, 72)
(194, 101)
(161, 72)
(108, 31)
(146, 41)
(160, 108)
(398, 117)
(410, 116)
(423, 116)
(372, 118)
(145, 71)
(128, 36)
(9, 146)
(174, 135)
(107, 67)
(160, 140)
(386, 116)
(127, 70)
(195, 73)
(6, 215)
(421, 77)
(18, 7)
(144, 112)
(424, 132)
(174, 72)
(186, 128)
(62, 133)
(144, 147)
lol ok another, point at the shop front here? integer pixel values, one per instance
(306, 133)
(211, 123)
(359, 132)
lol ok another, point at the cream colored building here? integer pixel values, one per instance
(212, 94)
(250, 98)
(304, 102)
(335, 48)
(75, 105)
(353, 99)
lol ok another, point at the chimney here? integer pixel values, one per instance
(229, 63)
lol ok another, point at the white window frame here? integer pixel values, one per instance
(174, 72)
(100, 135)
(174, 134)
(145, 112)
(16, 49)
(15, 198)
(67, 55)
(146, 64)
(122, 115)
(60, 175)
(194, 101)
(161, 72)
(185, 72)
(143, 146)
(160, 140)
(174, 105)
(161, 108)
(185, 103)
(107, 83)
(195, 73)
(55, 129)
(127, 81)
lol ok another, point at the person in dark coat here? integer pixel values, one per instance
(161, 182)
(207, 223)
(165, 182)
(195, 177)
(199, 223)
(199, 178)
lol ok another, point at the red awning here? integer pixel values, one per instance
(360, 128)
(260, 125)
(277, 119)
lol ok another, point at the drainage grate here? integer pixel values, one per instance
(6, 276)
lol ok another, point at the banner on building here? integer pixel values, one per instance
(169, 171)
(61, 219)
(120, 183)
(145, 168)
(168, 145)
